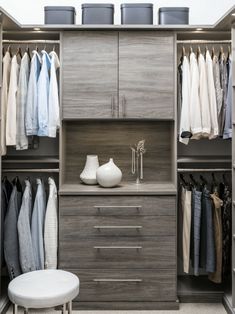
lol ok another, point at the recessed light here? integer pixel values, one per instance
(199, 29)
(36, 28)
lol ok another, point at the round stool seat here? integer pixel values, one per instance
(43, 288)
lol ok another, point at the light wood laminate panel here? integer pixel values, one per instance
(118, 205)
(153, 285)
(146, 75)
(117, 252)
(135, 226)
(113, 139)
(89, 74)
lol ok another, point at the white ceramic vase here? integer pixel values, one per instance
(88, 175)
(108, 175)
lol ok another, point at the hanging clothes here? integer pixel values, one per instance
(218, 92)
(185, 129)
(21, 137)
(11, 104)
(51, 227)
(229, 103)
(212, 97)
(6, 63)
(53, 102)
(43, 95)
(26, 253)
(11, 242)
(217, 221)
(195, 106)
(37, 225)
(223, 82)
(31, 114)
(186, 214)
(179, 94)
(204, 97)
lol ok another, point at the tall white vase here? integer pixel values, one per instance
(88, 175)
(109, 175)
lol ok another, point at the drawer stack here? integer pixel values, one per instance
(123, 249)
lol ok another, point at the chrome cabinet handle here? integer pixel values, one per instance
(123, 106)
(117, 280)
(118, 247)
(117, 206)
(112, 106)
(117, 227)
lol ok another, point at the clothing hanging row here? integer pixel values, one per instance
(205, 95)
(29, 97)
(205, 219)
(30, 237)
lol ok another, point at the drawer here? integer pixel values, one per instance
(117, 205)
(74, 227)
(122, 252)
(125, 285)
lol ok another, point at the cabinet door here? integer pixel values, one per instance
(146, 75)
(89, 74)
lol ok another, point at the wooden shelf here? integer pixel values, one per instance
(125, 188)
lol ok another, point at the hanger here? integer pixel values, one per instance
(198, 51)
(193, 180)
(3, 51)
(225, 182)
(185, 184)
(221, 52)
(19, 53)
(203, 180)
(53, 48)
(229, 52)
(190, 50)
(36, 48)
(183, 51)
(28, 52)
(17, 183)
(44, 47)
(213, 52)
(9, 50)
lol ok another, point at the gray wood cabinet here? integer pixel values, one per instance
(118, 75)
(89, 74)
(146, 75)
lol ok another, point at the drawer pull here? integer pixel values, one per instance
(117, 280)
(118, 247)
(117, 206)
(117, 227)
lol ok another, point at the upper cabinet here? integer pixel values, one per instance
(109, 74)
(89, 74)
(146, 75)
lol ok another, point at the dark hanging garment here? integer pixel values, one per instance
(207, 242)
(11, 243)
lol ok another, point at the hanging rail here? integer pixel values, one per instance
(33, 41)
(31, 170)
(195, 41)
(203, 170)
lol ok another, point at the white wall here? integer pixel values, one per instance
(201, 11)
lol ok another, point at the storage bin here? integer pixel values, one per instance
(137, 13)
(170, 15)
(59, 15)
(97, 13)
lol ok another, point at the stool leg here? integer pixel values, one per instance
(70, 307)
(15, 309)
(64, 309)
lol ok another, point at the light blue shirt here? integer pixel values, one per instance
(31, 114)
(43, 95)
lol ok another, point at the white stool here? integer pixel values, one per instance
(44, 289)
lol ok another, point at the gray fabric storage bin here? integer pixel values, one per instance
(171, 15)
(59, 15)
(97, 13)
(137, 13)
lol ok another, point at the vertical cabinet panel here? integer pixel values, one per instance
(146, 75)
(89, 74)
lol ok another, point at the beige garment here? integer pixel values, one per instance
(6, 61)
(11, 104)
(186, 213)
(217, 222)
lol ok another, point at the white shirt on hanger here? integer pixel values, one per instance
(53, 102)
(212, 97)
(204, 98)
(195, 107)
(11, 104)
(185, 109)
(4, 96)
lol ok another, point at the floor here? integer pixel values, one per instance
(186, 308)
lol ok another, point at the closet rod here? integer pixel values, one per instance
(195, 41)
(33, 41)
(30, 170)
(204, 170)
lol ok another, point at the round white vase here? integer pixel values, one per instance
(88, 175)
(108, 175)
